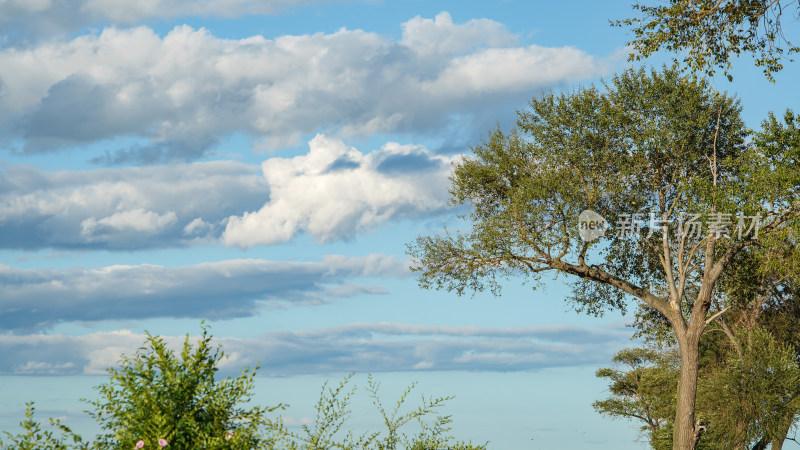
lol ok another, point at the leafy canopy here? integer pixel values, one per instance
(643, 145)
(713, 32)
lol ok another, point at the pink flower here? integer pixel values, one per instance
(230, 435)
(162, 442)
(140, 444)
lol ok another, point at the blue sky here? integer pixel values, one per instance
(260, 165)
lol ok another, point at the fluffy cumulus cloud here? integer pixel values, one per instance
(181, 93)
(38, 298)
(334, 191)
(126, 208)
(360, 347)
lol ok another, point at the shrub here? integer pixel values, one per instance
(158, 395)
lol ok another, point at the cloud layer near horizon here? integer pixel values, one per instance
(358, 347)
(39, 298)
(179, 95)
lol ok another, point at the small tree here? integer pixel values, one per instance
(642, 387)
(159, 398)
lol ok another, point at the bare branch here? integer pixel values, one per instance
(717, 314)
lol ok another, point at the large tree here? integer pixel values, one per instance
(663, 159)
(710, 33)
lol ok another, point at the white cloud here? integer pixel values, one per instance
(185, 91)
(129, 208)
(39, 298)
(290, 421)
(197, 226)
(498, 70)
(335, 190)
(132, 221)
(360, 347)
(440, 36)
(332, 192)
(41, 367)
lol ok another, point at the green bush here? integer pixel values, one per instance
(156, 394)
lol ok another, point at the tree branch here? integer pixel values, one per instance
(717, 314)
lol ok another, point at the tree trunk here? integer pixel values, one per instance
(685, 435)
(777, 441)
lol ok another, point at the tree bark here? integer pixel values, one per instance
(777, 441)
(685, 432)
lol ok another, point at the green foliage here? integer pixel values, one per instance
(35, 438)
(333, 412)
(641, 145)
(763, 382)
(749, 393)
(656, 144)
(156, 394)
(776, 162)
(749, 360)
(644, 390)
(710, 33)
